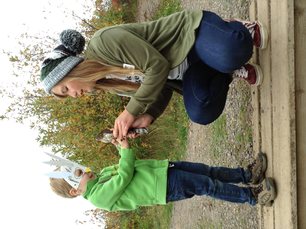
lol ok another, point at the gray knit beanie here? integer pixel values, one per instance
(62, 59)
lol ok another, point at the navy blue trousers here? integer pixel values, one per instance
(186, 179)
(219, 49)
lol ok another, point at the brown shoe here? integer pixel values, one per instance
(265, 192)
(258, 168)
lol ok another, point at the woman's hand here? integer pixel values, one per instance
(122, 124)
(143, 120)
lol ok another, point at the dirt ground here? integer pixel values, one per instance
(231, 150)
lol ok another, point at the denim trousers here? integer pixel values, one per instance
(186, 179)
(220, 48)
(224, 46)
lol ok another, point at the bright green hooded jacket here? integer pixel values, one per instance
(154, 48)
(129, 184)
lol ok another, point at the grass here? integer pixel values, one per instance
(219, 135)
(167, 136)
(246, 135)
(222, 129)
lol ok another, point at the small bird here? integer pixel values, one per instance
(106, 135)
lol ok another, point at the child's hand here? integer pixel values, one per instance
(123, 143)
(132, 135)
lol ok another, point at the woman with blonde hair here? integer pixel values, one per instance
(195, 53)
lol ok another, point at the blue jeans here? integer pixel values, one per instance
(186, 179)
(224, 46)
(219, 49)
(205, 92)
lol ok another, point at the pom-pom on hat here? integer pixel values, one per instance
(62, 59)
(73, 40)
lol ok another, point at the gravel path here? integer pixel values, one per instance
(230, 149)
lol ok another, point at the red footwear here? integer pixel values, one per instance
(251, 73)
(258, 32)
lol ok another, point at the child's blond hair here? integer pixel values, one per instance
(61, 187)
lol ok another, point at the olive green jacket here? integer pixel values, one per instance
(154, 48)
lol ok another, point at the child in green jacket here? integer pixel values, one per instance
(133, 183)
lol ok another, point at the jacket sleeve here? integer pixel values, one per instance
(107, 194)
(156, 108)
(118, 46)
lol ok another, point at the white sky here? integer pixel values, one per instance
(25, 195)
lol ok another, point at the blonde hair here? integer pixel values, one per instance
(61, 187)
(94, 71)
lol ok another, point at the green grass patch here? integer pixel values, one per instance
(168, 135)
(144, 218)
(219, 135)
(245, 136)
